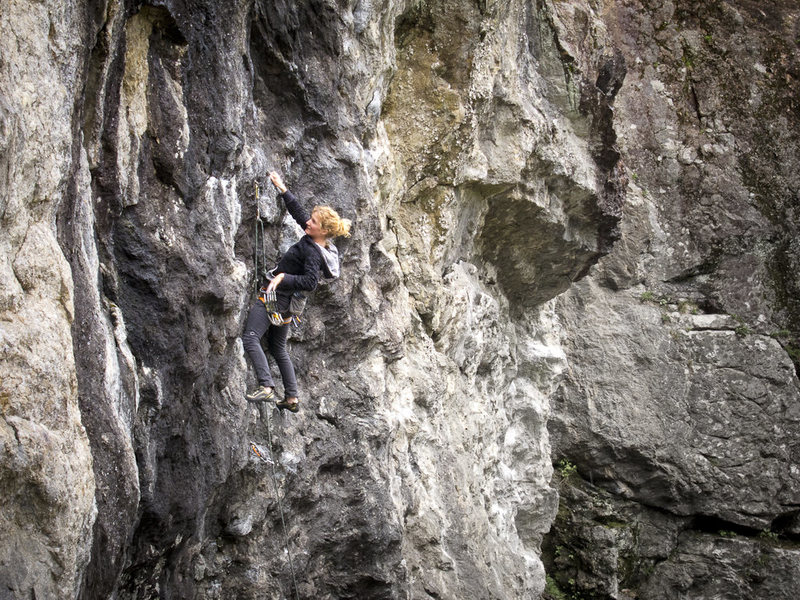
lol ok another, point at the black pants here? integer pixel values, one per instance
(257, 325)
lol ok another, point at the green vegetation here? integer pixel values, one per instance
(566, 468)
(552, 591)
(794, 352)
(560, 553)
(612, 524)
(683, 306)
(768, 535)
(742, 330)
(649, 296)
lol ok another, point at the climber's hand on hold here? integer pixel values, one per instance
(276, 180)
(275, 282)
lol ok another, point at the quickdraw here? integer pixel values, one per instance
(269, 298)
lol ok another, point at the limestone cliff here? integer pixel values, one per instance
(575, 244)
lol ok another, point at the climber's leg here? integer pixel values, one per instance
(257, 324)
(277, 348)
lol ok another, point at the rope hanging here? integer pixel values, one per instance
(262, 411)
(259, 229)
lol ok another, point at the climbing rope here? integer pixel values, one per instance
(259, 228)
(256, 450)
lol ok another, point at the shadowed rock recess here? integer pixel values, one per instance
(562, 357)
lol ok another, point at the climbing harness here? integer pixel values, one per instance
(270, 300)
(271, 461)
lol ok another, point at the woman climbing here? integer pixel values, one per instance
(297, 272)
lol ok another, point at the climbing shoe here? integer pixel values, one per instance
(290, 406)
(262, 394)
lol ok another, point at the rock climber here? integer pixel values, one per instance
(298, 271)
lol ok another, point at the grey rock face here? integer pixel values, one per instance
(604, 546)
(682, 393)
(570, 218)
(420, 463)
(707, 427)
(46, 480)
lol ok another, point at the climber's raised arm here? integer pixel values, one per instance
(299, 214)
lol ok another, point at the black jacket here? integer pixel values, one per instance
(303, 262)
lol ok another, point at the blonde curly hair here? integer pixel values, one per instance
(331, 223)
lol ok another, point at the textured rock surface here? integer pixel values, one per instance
(573, 220)
(681, 394)
(46, 479)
